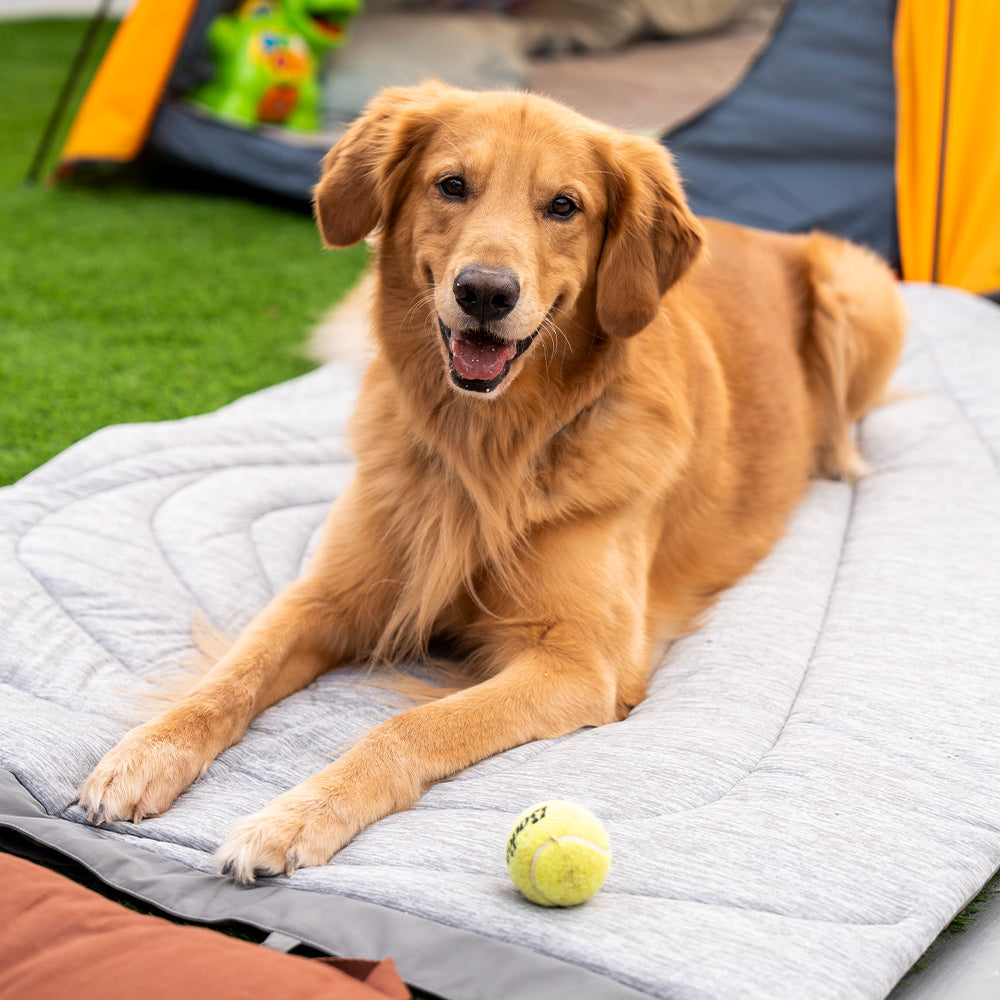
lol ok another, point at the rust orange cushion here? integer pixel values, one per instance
(59, 939)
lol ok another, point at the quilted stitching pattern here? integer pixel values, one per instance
(804, 800)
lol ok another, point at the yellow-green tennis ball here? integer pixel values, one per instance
(558, 853)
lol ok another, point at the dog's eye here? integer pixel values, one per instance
(452, 187)
(563, 207)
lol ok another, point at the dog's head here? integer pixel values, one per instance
(515, 217)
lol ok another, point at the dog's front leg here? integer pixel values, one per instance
(534, 698)
(555, 673)
(328, 617)
(156, 761)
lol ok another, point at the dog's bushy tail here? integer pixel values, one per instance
(852, 347)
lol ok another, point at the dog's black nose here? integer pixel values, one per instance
(486, 294)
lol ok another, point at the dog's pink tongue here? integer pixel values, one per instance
(481, 362)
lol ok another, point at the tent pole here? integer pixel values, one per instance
(69, 85)
(943, 139)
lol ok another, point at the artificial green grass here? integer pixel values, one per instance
(126, 301)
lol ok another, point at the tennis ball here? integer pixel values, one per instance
(558, 853)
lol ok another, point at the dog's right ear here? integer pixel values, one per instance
(363, 172)
(652, 236)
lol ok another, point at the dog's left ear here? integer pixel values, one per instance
(652, 236)
(362, 173)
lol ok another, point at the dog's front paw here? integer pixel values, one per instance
(293, 831)
(140, 777)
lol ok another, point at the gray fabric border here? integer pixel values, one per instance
(447, 961)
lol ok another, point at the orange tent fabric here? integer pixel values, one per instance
(117, 111)
(948, 146)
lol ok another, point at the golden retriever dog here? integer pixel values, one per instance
(588, 414)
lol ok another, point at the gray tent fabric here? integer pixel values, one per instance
(264, 158)
(805, 799)
(807, 139)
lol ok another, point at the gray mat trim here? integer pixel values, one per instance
(446, 961)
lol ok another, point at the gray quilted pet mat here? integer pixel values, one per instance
(805, 799)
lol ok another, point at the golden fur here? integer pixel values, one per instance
(640, 455)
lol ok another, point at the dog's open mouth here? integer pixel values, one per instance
(479, 360)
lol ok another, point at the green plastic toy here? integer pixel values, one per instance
(266, 57)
